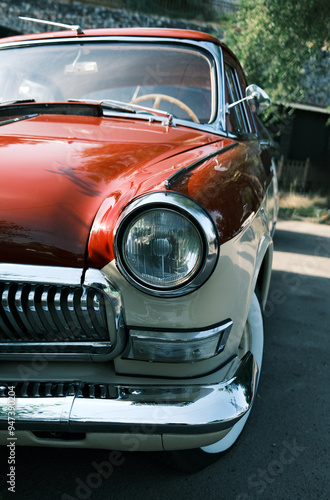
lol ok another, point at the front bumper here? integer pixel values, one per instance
(178, 410)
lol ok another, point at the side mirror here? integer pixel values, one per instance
(256, 97)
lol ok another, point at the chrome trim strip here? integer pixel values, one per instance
(40, 274)
(183, 205)
(59, 345)
(169, 183)
(176, 409)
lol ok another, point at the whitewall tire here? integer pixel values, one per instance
(252, 340)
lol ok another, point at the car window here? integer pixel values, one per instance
(263, 132)
(237, 114)
(122, 71)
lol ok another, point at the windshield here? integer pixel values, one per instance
(178, 79)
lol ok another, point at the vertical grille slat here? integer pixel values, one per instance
(57, 309)
(70, 313)
(5, 325)
(96, 311)
(98, 308)
(11, 312)
(21, 300)
(43, 298)
(82, 313)
(31, 311)
(85, 310)
(48, 389)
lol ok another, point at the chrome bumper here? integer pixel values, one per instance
(157, 409)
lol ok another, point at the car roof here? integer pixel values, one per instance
(116, 32)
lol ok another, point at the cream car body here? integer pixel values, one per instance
(101, 352)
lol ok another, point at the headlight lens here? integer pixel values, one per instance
(162, 248)
(166, 244)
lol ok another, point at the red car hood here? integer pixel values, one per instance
(56, 171)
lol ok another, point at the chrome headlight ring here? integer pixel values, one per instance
(166, 244)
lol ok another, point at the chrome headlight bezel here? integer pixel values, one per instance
(186, 208)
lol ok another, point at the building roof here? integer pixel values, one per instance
(305, 107)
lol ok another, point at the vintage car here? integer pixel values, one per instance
(137, 207)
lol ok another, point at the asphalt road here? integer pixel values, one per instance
(284, 450)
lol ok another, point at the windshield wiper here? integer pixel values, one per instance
(110, 104)
(127, 108)
(18, 119)
(106, 104)
(136, 108)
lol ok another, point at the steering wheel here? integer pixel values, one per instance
(164, 97)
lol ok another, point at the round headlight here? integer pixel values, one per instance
(162, 248)
(165, 244)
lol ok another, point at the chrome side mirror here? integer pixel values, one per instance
(256, 97)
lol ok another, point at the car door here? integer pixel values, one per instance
(247, 126)
(267, 142)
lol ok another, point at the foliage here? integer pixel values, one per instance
(298, 206)
(275, 39)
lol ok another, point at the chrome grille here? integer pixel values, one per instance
(33, 389)
(35, 317)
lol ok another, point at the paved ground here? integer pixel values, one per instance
(283, 453)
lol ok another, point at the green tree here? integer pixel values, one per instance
(275, 40)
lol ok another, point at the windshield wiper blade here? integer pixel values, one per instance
(144, 109)
(127, 107)
(18, 119)
(113, 105)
